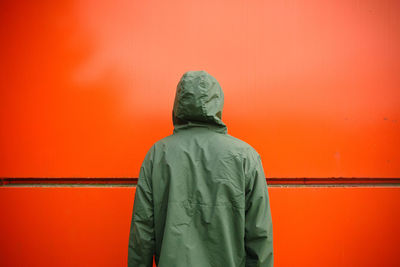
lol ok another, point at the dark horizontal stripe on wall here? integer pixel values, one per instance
(68, 180)
(27, 181)
(332, 180)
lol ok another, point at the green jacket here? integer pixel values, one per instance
(202, 198)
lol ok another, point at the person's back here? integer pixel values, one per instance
(202, 198)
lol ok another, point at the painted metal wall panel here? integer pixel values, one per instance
(87, 86)
(313, 226)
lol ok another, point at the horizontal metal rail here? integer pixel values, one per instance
(27, 181)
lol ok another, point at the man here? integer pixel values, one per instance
(201, 199)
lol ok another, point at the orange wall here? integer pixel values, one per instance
(317, 226)
(87, 86)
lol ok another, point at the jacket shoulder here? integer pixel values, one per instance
(222, 141)
(242, 144)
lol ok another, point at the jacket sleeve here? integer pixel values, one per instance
(141, 236)
(258, 228)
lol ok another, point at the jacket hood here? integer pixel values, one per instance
(199, 100)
